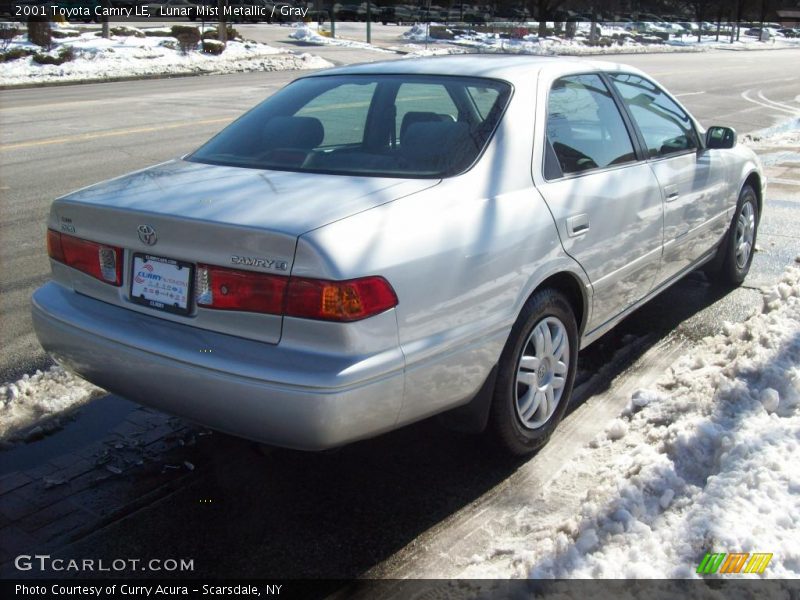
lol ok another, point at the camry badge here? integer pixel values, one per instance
(147, 235)
(264, 263)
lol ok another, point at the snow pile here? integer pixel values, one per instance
(621, 42)
(776, 145)
(33, 398)
(419, 33)
(784, 134)
(551, 46)
(309, 33)
(133, 56)
(411, 51)
(303, 32)
(705, 461)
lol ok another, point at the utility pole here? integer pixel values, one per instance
(369, 22)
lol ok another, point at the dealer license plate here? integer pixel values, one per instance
(161, 283)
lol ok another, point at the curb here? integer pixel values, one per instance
(40, 84)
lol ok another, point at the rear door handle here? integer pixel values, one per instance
(577, 225)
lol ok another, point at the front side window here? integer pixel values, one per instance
(665, 126)
(373, 125)
(584, 126)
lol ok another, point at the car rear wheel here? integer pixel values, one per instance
(739, 245)
(536, 374)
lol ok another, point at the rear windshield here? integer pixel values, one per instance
(387, 125)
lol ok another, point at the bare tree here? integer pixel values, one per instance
(544, 10)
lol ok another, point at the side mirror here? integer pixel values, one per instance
(720, 137)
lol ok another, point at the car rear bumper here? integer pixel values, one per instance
(255, 390)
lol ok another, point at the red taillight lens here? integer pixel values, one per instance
(98, 260)
(232, 289)
(338, 300)
(54, 249)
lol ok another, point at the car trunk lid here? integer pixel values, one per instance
(226, 216)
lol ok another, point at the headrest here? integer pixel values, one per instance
(439, 146)
(293, 132)
(412, 117)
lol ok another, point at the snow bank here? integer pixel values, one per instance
(310, 33)
(622, 43)
(704, 461)
(33, 398)
(98, 58)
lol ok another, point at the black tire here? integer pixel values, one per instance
(506, 422)
(729, 269)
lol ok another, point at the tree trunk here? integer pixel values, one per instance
(222, 28)
(104, 19)
(39, 32)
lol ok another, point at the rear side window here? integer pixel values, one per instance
(584, 126)
(665, 126)
(367, 125)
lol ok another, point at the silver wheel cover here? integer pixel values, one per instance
(542, 373)
(745, 234)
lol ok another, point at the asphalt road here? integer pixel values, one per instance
(376, 505)
(56, 139)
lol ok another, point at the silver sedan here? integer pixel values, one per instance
(376, 244)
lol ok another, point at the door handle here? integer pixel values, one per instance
(671, 193)
(577, 225)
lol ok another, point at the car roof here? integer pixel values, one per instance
(500, 66)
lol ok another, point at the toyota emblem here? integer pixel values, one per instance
(147, 235)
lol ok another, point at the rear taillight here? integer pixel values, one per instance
(101, 261)
(350, 300)
(232, 289)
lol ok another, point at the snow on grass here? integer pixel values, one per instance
(616, 41)
(309, 32)
(703, 461)
(30, 400)
(132, 56)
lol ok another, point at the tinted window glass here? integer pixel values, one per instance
(342, 112)
(584, 126)
(392, 125)
(484, 98)
(666, 128)
(419, 102)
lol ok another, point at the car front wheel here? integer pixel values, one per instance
(739, 245)
(536, 374)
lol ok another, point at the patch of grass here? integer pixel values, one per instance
(64, 33)
(212, 34)
(157, 33)
(64, 55)
(129, 31)
(15, 53)
(213, 47)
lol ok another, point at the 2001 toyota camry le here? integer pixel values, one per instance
(376, 244)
